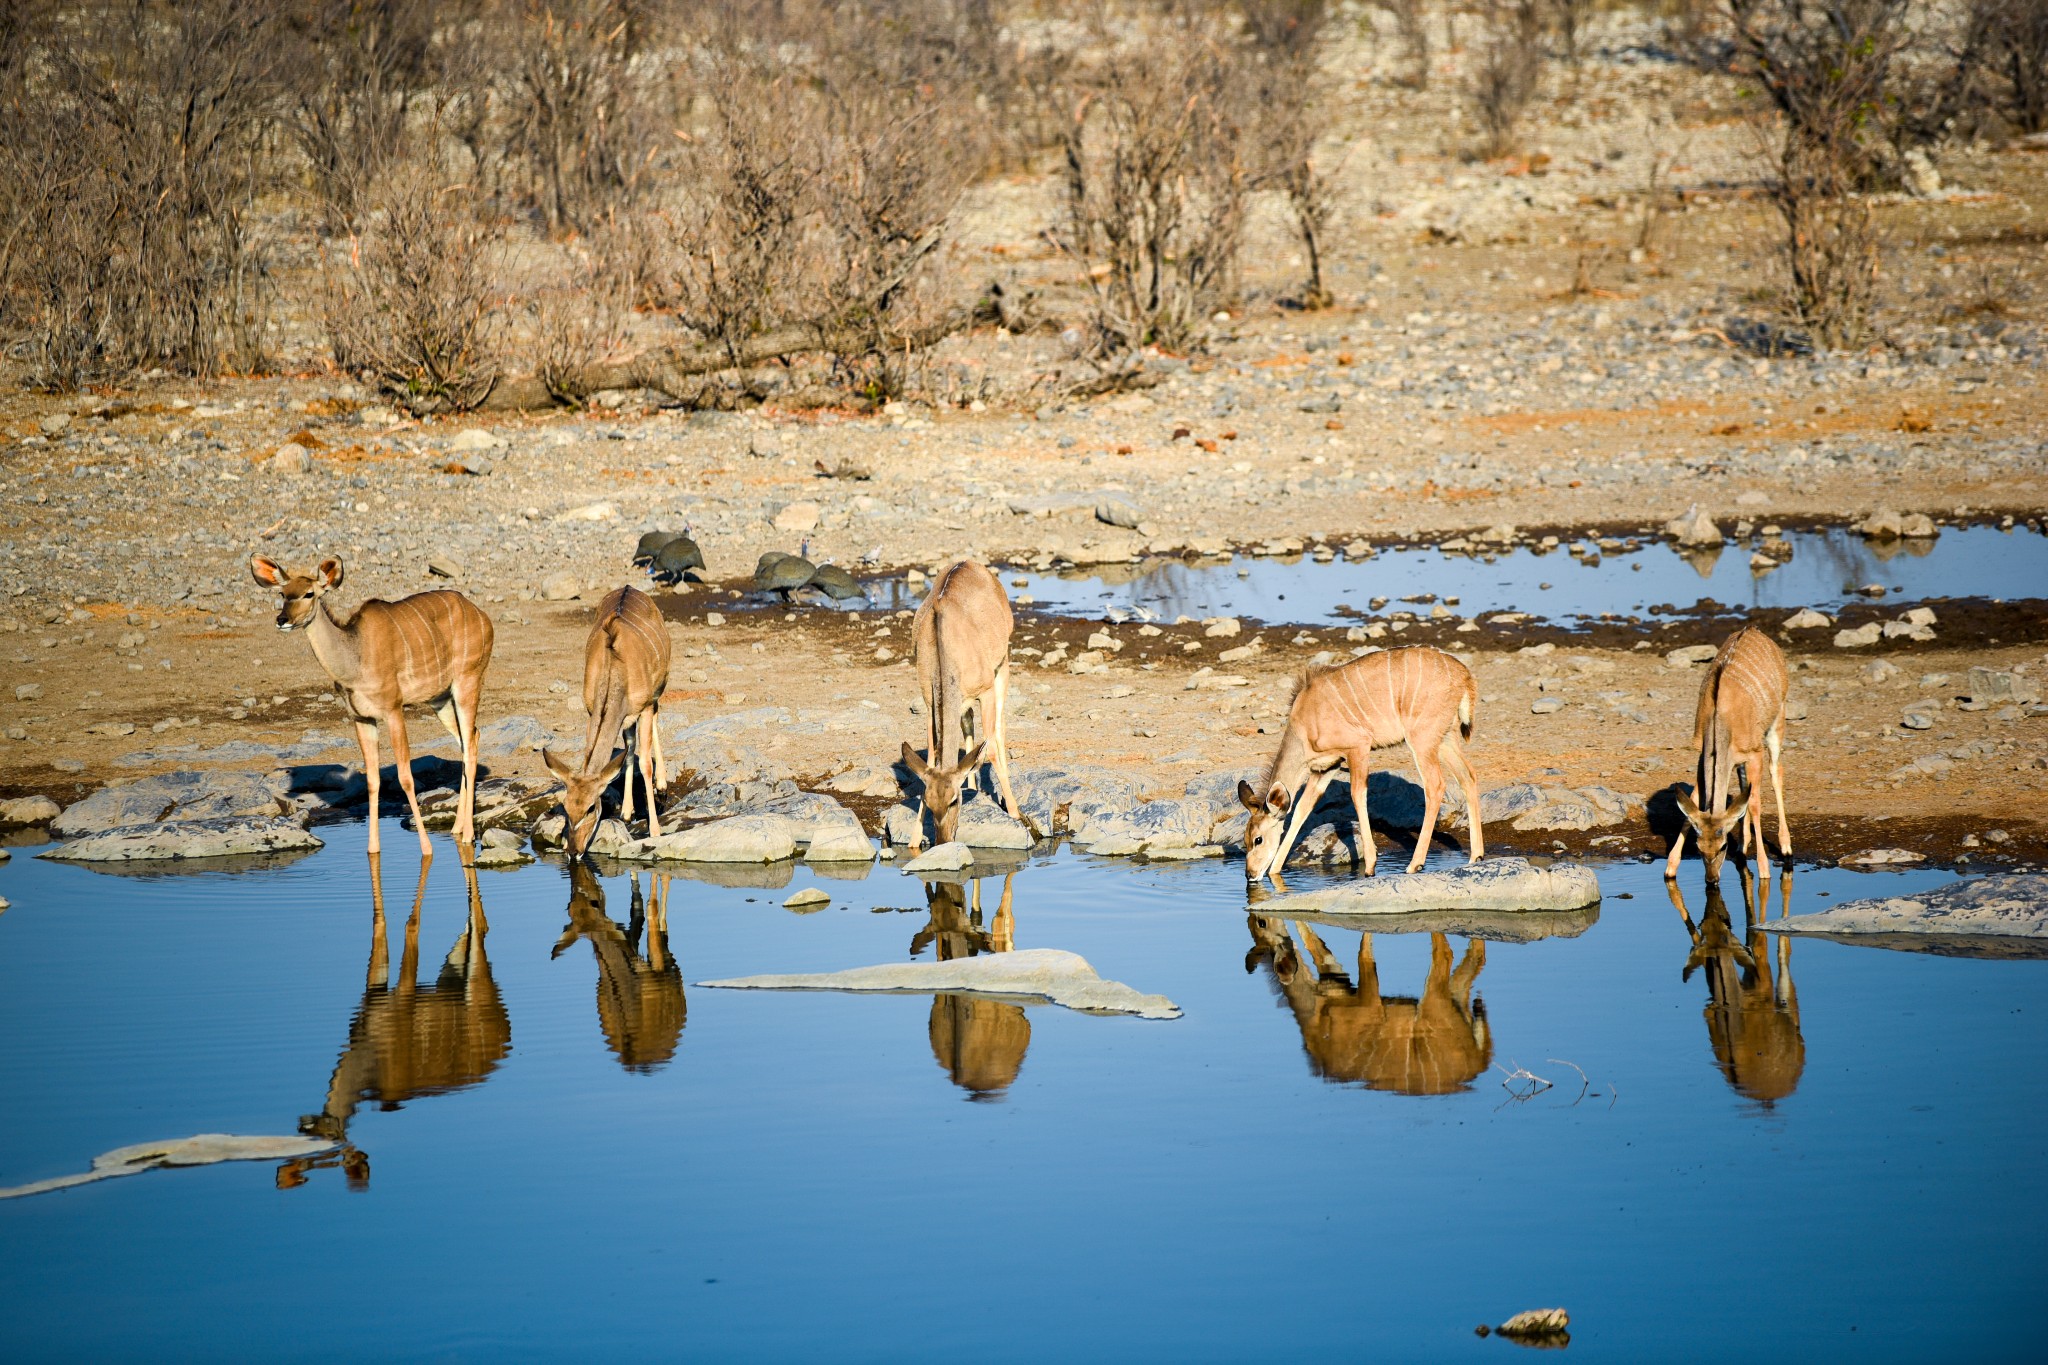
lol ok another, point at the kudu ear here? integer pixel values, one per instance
(555, 765)
(611, 770)
(1689, 808)
(329, 574)
(267, 572)
(1278, 801)
(917, 766)
(968, 761)
(1249, 797)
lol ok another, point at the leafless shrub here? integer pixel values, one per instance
(1411, 24)
(133, 147)
(1568, 18)
(358, 68)
(409, 303)
(1507, 67)
(1824, 65)
(580, 109)
(578, 311)
(1286, 37)
(1157, 174)
(1997, 70)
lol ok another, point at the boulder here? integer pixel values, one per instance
(1688, 656)
(500, 848)
(1806, 618)
(1060, 800)
(739, 839)
(808, 899)
(1506, 884)
(1693, 530)
(1983, 907)
(1869, 633)
(29, 810)
(1029, 976)
(179, 840)
(185, 795)
(1153, 825)
(847, 843)
(1116, 511)
(1994, 685)
(512, 734)
(941, 858)
(985, 824)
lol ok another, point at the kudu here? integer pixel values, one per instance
(640, 1004)
(408, 1040)
(960, 641)
(1741, 715)
(1434, 1045)
(625, 671)
(1752, 1009)
(428, 649)
(1339, 716)
(980, 1042)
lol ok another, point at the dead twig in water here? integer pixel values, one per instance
(1531, 1085)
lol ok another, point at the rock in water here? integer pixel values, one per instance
(203, 1149)
(740, 839)
(1033, 975)
(1495, 884)
(1988, 907)
(180, 840)
(941, 858)
(1694, 529)
(29, 810)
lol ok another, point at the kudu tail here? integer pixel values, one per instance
(1465, 700)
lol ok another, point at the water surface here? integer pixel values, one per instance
(558, 1146)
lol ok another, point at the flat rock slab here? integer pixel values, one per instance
(1495, 926)
(2014, 907)
(1030, 976)
(184, 840)
(187, 795)
(203, 1149)
(1495, 884)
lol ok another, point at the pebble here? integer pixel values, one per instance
(560, 587)
(291, 458)
(1685, 656)
(28, 692)
(1917, 720)
(1806, 618)
(1869, 633)
(797, 517)
(1545, 706)
(807, 898)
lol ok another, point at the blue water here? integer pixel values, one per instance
(802, 1178)
(1827, 569)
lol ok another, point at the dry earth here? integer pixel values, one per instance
(1462, 383)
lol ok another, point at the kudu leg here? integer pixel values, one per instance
(1753, 817)
(1311, 793)
(999, 732)
(1452, 753)
(460, 721)
(1358, 766)
(646, 747)
(373, 776)
(660, 759)
(1432, 775)
(401, 757)
(1774, 738)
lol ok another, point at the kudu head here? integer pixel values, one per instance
(300, 592)
(582, 797)
(1712, 829)
(1263, 832)
(942, 789)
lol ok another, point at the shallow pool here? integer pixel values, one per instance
(1827, 568)
(557, 1145)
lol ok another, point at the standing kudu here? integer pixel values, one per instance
(961, 644)
(625, 671)
(429, 649)
(1339, 716)
(1741, 715)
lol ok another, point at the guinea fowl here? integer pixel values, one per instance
(674, 558)
(650, 546)
(836, 583)
(784, 573)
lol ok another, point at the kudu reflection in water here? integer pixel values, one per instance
(978, 1041)
(409, 1040)
(1752, 1010)
(640, 1003)
(1434, 1045)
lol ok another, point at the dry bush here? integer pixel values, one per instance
(578, 312)
(1507, 68)
(583, 110)
(1999, 68)
(409, 302)
(1824, 65)
(1411, 25)
(1286, 39)
(358, 69)
(1158, 168)
(1568, 18)
(134, 144)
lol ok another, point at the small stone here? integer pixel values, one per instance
(797, 517)
(1695, 528)
(941, 858)
(1546, 706)
(1806, 618)
(291, 458)
(1114, 511)
(28, 692)
(763, 446)
(1869, 633)
(29, 810)
(110, 728)
(590, 511)
(475, 438)
(55, 424)
(1917, 720)
(1879, 671)
(560, 587)
(444, 566)
(1686, 656)
(1221, 627)
(810, 898)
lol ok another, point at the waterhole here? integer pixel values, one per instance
(555, 1143)
(1826, 569)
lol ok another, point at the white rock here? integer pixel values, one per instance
(183, 840)
(561, 587)
(797, 517)
(1687, 656)
(290, 458)
(1491, 884)
(1031, 975)
(475, 438)
(590, 511)
(1806, 618)
(29, 810)
(1998, 907)
(1695, 528)
(1869, 633)
(808, 898)
(942, 858)
(739, 839)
